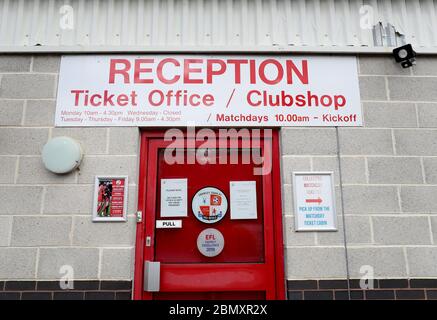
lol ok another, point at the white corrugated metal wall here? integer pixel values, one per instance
(218, 25)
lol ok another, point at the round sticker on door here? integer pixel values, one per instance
(210, 242)
(209, 205)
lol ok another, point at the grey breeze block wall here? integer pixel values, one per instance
(389, 181)
(389, 175)
(45, 219)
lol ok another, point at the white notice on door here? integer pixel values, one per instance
(173, 198)
(243, 200)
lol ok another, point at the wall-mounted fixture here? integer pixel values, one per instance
(62, 155)
(405, 55)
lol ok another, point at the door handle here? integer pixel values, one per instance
(152, 276)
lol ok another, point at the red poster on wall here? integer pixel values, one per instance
(110, 199)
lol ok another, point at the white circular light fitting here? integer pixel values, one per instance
(62, 155)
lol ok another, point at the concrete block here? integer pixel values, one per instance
(373, 88)
(14, 63)
(293, 238)
(422, 261)
(338, 204)
(46, 63)
(386, 262)
(327, 164)
(22, 141)
(124, 140)
(287, 200)
(293, 164)
(28, 86)
(401, 230)
(427, 113)
(353, 169)
(316, 263)
(20, 199)
(393, 170)
(69, 199)
(92, 140)
(370, 199)
(332, 237)
(7, 173)
(117, 264)
(380, 65)
(426, 67)
(84, 261)
(416, 142)
(419, 199)
(41, 231)
(11, 112)
(389, 115)
(412, 89)
(108, 165)
(89, 233)
(358, 230)
(133, 200)
(32, 170)
(40, 113)
(5, 230)
(309, 141)
(430, 168)
(17, 263)
(359, 141)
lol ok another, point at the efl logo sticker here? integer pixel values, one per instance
(210, 242)
(209, 205)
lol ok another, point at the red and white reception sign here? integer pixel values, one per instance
(200, 90)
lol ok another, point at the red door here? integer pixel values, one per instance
(249, 261)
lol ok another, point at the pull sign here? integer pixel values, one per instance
(168, 224)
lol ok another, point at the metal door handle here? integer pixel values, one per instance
(152, 275)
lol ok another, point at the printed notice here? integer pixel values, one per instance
(173, 198)
(314, 201)
(243, 200)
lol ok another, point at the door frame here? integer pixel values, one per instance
(278, 240)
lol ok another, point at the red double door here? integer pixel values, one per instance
(249, 263)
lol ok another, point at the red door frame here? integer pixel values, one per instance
(146, 137)
(238, 273)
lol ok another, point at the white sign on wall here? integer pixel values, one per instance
(314, 201)
(239, 90)
(173, 198)
(243, 200)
